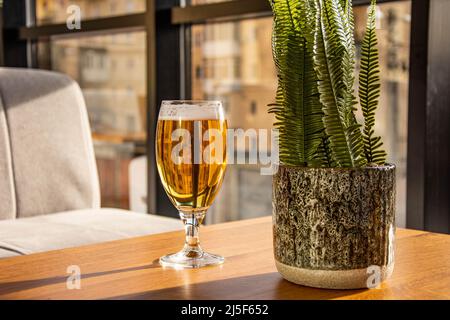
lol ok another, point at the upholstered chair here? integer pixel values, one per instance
(49, 189)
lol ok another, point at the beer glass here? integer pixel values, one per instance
(191, 161)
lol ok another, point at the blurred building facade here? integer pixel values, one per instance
(55, 11)
(110, 69)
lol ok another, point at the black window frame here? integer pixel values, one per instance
(168, 25)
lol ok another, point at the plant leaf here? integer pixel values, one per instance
(369, 89)
(298, 111)
(334, 63)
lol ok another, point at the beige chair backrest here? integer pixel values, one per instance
(47, 161)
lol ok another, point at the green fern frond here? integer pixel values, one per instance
(354, 133)
(347, 6)
(314, 52)
(297, 110)
(324, 153)
(334, 63)
(369, 89)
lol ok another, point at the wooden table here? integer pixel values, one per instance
(128, 269)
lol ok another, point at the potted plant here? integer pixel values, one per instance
(333, 194)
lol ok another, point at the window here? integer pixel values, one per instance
(110, 69)
(245, 193)
(55, 11)
(195, 2)
(226, 46)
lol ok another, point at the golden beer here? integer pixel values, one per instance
(191, 160)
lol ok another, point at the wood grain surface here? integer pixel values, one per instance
(128, 269)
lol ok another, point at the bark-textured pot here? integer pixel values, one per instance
(334, 227)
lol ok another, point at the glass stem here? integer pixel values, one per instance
(192, 222)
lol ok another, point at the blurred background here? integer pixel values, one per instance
(134, 53)
(231, 62)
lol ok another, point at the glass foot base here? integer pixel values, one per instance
(182, 260)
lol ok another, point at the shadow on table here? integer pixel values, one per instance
(248, 287)
(16, 286)
(262, 286)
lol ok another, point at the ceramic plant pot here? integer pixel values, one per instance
(334, 227)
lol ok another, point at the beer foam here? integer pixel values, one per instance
(202, 110)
